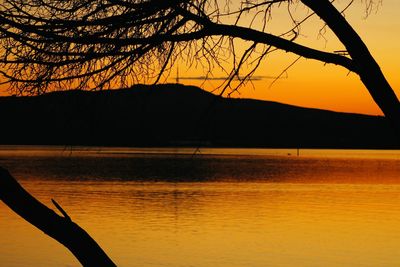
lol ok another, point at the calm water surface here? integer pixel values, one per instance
(214, 208)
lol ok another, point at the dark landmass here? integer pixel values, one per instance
(177, 115)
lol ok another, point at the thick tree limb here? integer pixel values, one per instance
(367, 68)
(211, 28)
(62, 229)
(283, 44)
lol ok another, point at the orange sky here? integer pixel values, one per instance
(310, 83)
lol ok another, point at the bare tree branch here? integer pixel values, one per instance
(62, 229)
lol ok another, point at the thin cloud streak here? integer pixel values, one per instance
(254, 78)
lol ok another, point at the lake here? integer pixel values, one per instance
(175, 207)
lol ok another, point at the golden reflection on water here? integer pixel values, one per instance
(219, 224)
(307, 212)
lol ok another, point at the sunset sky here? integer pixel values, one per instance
(312, 84)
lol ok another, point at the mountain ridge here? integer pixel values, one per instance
(179, 115)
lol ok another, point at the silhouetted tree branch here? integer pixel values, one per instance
(366, 66)
(62, 229)
(99, 44)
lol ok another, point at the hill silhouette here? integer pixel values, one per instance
(178, 115)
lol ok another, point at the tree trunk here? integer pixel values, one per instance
(62, 229)
(366, 66)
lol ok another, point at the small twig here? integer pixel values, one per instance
(63, 212)
(284, 71)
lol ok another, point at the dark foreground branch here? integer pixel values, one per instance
(367, 68)
(62, 229)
